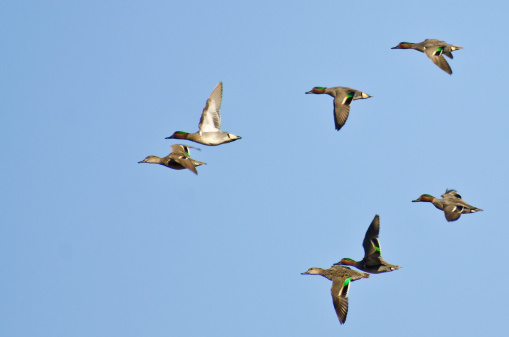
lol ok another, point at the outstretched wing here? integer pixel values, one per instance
(180, 149)
(342, 108)
(186, 162)
(451, 194)
(339, 291)
(435, 55)
(210, 120)
(453, 212)
(180, 154)
(371, 244)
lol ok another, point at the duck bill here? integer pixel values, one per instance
(395, 47)
(416, 200)
(308, 92)
(171, 137)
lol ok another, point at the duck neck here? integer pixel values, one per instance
(438, 203)
(350, 262)
(417, 46)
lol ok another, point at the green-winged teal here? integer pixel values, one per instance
(210, 123)
(341, 278)
(434, 49)
(372, 261)
(178, 159)
(343, 97)
(451, 203)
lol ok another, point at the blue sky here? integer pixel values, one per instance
(94, 244)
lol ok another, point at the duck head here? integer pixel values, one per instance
(151, 159)
(317, 90)
(313, 271)
(178, 135)
(403, 45)
(424, 197)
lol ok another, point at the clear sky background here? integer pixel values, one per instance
(94, 244)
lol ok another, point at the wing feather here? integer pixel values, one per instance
(341, 109)
(210, 120)
(339, 294)
(439, 60)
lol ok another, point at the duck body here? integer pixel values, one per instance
(372, 262)
(434, 49)
(381, 266)
(451, 203)
(343, 97)
(178, 159)
(210, 123)
(206, 138)
(341, 278)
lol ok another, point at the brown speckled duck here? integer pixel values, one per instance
(178, 159)
(341, 278)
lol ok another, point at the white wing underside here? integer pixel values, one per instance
(210, 120)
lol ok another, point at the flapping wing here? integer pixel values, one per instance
(180, 149)
(451, 194)
(210, 120)
(452, 212)
(371, 244)
(341, 109)
(339, 292)
(186, 162)
(435, 55)
(180, 154)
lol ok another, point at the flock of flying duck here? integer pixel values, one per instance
(210, 134)
(373, 263)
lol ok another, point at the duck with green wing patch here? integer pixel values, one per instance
(343, 97)
(451, 203)
(210, 123)
(341, 278)
(372, 261)
(434, 49)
